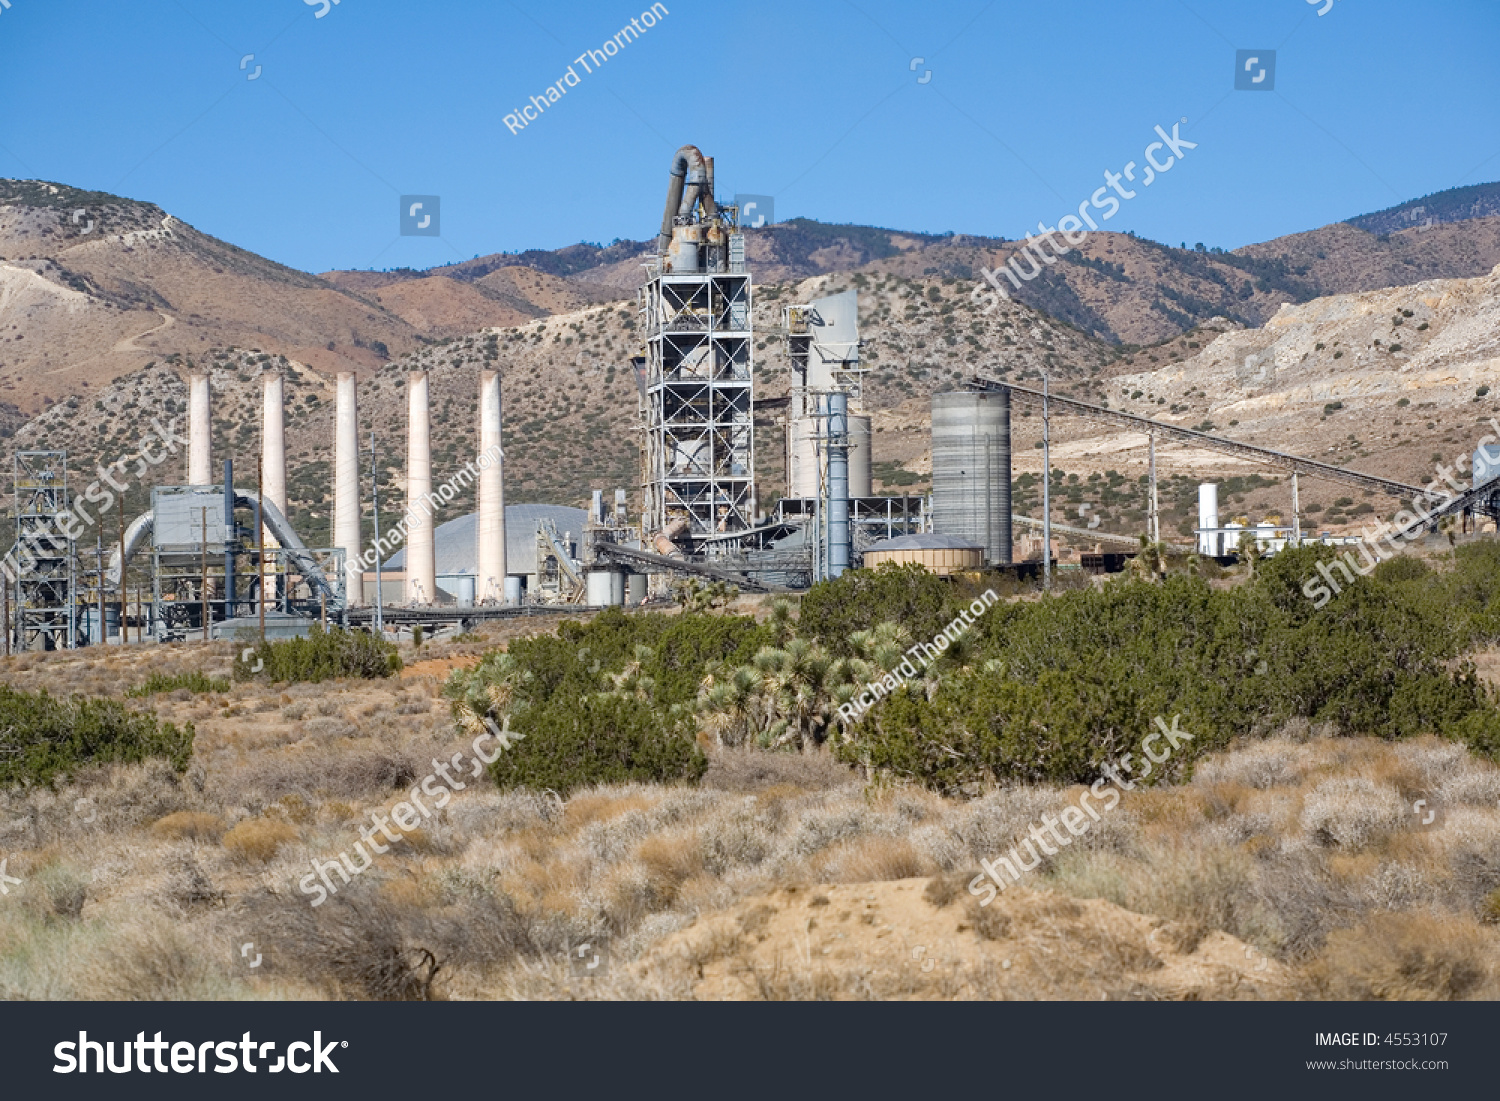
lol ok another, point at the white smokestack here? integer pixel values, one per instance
(346, 485)
(199, 430)
(273, 442)
(1208, 517)
(421, 564)
(491, 565)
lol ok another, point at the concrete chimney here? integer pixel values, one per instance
(199, 431)
(346, 485)
(489, 585)
(273, 441)
(421, 563)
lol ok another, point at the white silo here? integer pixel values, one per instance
(1209, 540)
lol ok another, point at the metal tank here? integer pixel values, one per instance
(971, 469)
(599, 589)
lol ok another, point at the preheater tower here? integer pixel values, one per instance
(697, 393)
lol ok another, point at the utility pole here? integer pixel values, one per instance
(1046, 479)
(375, 503)
(203, 549)
(1155, 523)
(123, 618)
(103, 636)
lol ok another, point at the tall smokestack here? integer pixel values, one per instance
(491, 569)
(199, 431)
(346, 485)
(273, 441)
(421, 564)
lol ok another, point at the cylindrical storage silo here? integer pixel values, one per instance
(1208, 518)
(513, 591)
(617, 588)
(462, 588)
(635, 589)
(802, 457)
(599, 589)
(971, 469)
(859, 456)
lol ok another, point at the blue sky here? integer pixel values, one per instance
(815, 102)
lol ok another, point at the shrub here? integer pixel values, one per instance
(195, 681)
(189, 825)
(600, 739)
(256, 840)
(43, 737)
(322, 655)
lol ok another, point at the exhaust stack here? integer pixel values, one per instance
(490, 582)
(421, 564)
(346, 485)
(199, 431)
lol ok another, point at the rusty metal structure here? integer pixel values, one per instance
(696, 390)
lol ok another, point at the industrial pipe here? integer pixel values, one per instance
(688, 167)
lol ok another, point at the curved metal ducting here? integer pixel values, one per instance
(279, 526)
(690, 179)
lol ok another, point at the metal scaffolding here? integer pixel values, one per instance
(44, 579)
(697, 399)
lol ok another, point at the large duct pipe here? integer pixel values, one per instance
(839, 539)
(199, 431)
(688, 167)
(421, 563)
(346, 534)
(491, 565)
(273, 441)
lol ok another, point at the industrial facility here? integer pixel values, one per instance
(216, 558)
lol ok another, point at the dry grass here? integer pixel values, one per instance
(257, 840)
(139, 883)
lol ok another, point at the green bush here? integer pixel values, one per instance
(322, 655)
(43, 737)
(1063, 686)
(599, 739)
(605, 701)
(195, 681)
